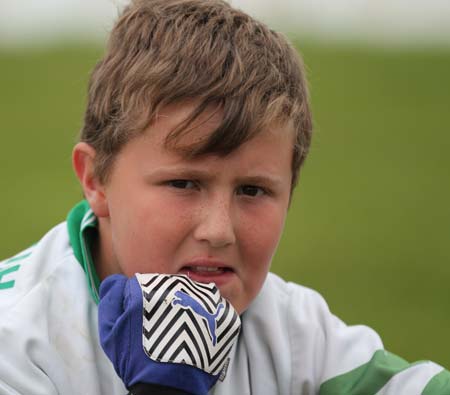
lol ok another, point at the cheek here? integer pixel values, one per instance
(146, 237)
(262, 235)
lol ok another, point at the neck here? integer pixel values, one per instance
(102, 252)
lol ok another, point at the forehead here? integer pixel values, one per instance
(266, 156)
(178, 115)
(182, 129)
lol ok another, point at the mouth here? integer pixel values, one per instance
(208, 274)
(207, 270)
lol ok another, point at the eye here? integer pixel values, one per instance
(182, 184)
(250, 190)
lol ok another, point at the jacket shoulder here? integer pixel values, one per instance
(26, 270)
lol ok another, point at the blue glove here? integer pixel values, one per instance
(166, 330)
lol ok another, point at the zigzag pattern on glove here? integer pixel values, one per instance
(187, 322)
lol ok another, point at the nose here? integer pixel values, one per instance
(216, 224)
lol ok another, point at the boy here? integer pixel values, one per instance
(196, 127)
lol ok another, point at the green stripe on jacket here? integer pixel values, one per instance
(367, 379)
(439, 384)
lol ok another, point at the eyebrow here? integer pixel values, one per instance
(269, 181)
(182, 172)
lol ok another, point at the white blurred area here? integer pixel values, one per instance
(382, 22)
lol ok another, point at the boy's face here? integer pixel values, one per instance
(216, 219)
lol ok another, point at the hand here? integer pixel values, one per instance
(166, 330)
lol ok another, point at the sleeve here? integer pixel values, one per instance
(354, 362)
(23, 355)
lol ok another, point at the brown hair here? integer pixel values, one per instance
(165, 51)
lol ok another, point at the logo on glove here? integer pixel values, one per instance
(187, 301)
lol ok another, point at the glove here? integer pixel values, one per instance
(166, 330)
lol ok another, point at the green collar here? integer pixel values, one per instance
(82, 224)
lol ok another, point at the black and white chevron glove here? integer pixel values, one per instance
(166, 333)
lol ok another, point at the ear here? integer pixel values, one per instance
(83, 157)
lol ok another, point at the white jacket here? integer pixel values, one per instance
(290, 344)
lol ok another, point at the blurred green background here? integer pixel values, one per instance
(369, 225)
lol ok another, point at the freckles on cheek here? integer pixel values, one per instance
(262, 242)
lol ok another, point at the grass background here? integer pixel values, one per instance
(369, 225)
